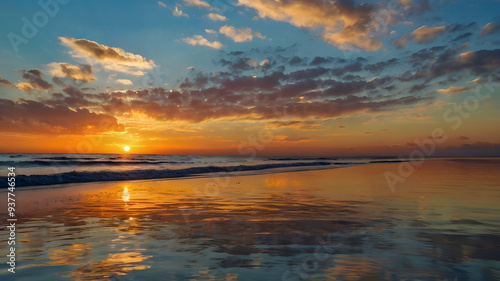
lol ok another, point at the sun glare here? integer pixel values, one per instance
(126, 148)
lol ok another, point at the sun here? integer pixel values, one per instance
(126, 148)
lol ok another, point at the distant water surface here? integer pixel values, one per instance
(46, 169)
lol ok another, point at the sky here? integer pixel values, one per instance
(251, 77)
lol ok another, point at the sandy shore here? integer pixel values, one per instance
(327, 224)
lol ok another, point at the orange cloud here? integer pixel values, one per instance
(179, 13)
(237, 35)
(344, 25)
(454, 90)
(490, 28)
(425, 34)
(197, 3)
(111, 58)
(478, 80)
(216, 17)
(200, 40)
(124, 81)
(34, 117)
(421, 35)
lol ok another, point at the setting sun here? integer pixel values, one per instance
(126, 148)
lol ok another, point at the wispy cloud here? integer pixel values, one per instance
(111, 58)
(454, 90)
(478, 80)
(421, 35)
(211, 31)
(425, 34)
(490, 28)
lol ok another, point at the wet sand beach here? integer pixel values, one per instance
(441, 223)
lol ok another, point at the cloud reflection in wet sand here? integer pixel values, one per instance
(434, 227)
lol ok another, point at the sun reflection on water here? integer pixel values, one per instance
(125, 195)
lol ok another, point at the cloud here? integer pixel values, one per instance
(463, 37)
(479, 61)
(6, 83)
(247, 98)
(402, 41)
(406, 3)
(490, 28)
(234, 93)
(343, 25)
(418, 58)
(178, 13)
(459, 27)
(416, 8)
(454, 90)
(200, 40)
(296, 138)
(111, 58)
(216, 17)
(464, 138)
(211, 31)
(421, 35)
(81, 72)
(478, 80)
(197, 3)
(380, 66)
(425, 34)
(259, 35)
(241, 64)
(34, 117)
(434, 63)
(35, 80)
(279, 124)
(124, 81)
(320, 60)
(237, 35)
(478, 149)
(161, 4)
(294, 124)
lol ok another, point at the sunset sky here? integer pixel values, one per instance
(279, 77)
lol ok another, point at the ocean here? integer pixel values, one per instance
(347, 223)
(50, 169)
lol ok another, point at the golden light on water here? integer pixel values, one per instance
(125, 195)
